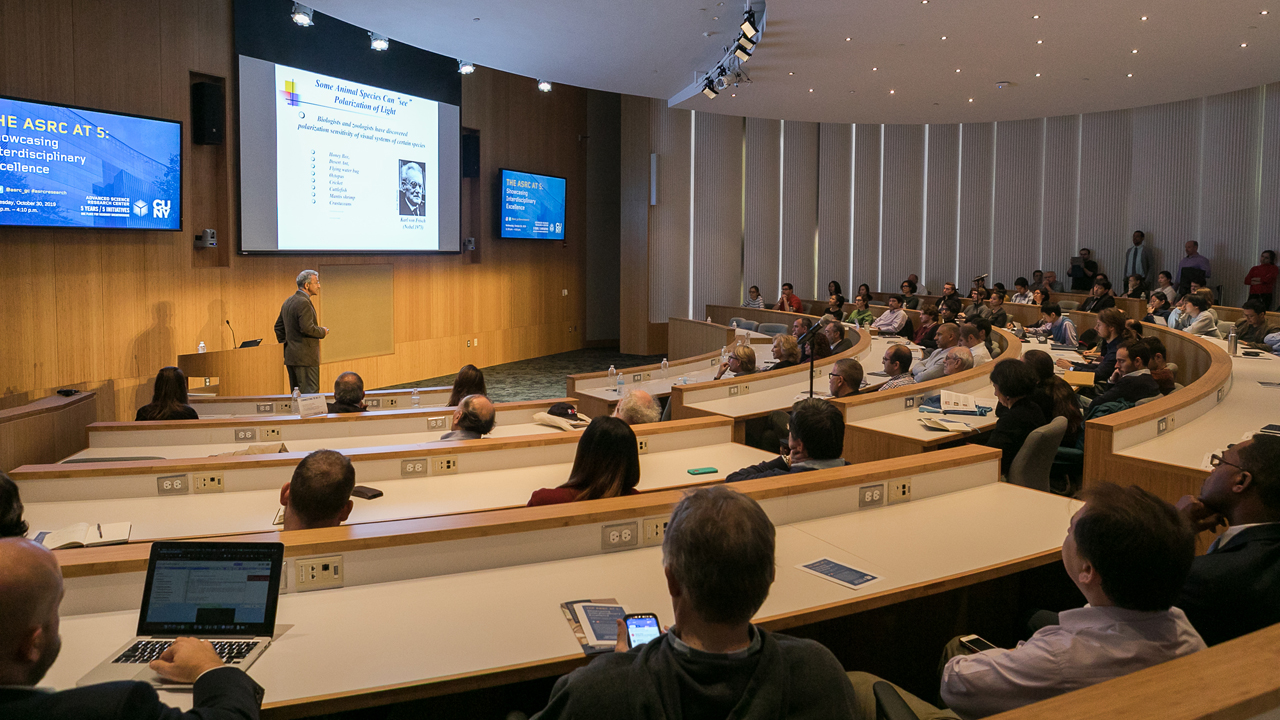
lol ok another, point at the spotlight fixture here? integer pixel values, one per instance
(709, 89)
(749, 27)
(466, 68)
(747, 42)
(379, 42)
(743, 53)
(721, 83)
(544, 86)
(302, 15)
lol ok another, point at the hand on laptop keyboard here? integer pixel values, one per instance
(187, 658)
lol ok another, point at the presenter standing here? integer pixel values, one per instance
(296, 328)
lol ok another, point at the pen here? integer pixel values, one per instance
(99, 531)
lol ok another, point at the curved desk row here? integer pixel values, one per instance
(375, 400)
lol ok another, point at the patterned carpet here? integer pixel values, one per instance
(542, 377)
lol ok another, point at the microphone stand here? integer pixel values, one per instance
(811, 339)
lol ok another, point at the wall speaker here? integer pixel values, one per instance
(471, 155)
(208, 113)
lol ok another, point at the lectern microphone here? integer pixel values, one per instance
(233, 334)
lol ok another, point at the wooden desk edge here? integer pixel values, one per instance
(217, 399)
(45, 405)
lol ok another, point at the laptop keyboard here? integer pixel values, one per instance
(144, 651)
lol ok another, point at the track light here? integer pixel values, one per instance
(742, 52)
(721, 83)
(709, 89)
(746, 42)
(379, 42)
(749, 23)
(302, 15)
(544, 86)
(466, 68)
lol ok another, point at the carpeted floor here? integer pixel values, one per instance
(543, 377)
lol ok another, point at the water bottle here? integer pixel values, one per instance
(619, 386)
(297, 401)
(613, 376)
(708, 318)
(1231, 342)
(414, 397)
(724, 354)
(201, 348)
(735, 327)
(664, 368)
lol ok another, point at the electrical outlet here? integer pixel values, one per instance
(267, 408)
(319, 573)
(564, 292)
(1222, 392)
(439, 423)
(746, 390)
(647, 377)
(638, 377)
(1162, 425)
(373, 403)
(653, 530)
(270, 433)
(644, 445)
(207, 483)
(871, 495)
(391, 402)
(414, 467)
(899, 491)
(613, 537)
(446, 465)
(172, 485)
(733, 391)
(909, 403)
(476, 342)
(714, 362)
(284, 408)
(468, 343)
(246, 434)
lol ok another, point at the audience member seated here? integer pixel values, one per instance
(865, 291)
(958, 359)
(971, 338)
(1057, 327)
(1084, 272)
(741, 361)
(789, 301)
(1136, 287)
(920, 289)
(1100, 298)
(897, 365)
(319, 493)
(995, 311)
(169, 399)
(1015, 384)
(860, 315)
(891, 321)
(1253, 329)
(718, 559)
(909, 289)
(348, 394)
(949, 293)
(926, 334)
(835, 306)
(836, 337)
(819, 345)
(1261, 279)
(1112, 333)
(1160, 371)
(1157, 309)
(1165, 286)
(948, 336)
(1054, 396)
(470, 381)
(1040, 296)
(1178, 318)
(1131, 381)
(977, 304)
(1051, 283)
(474, 418)
(785, 351)
(1021, 292)
(845, 378)
(800, 326)
(606, 465)
(637, 408)
(1037, 279)
(753, 299)
(30, 593)
(815, 442)
(1202, 321)
(1234, 588)
(833, 288)
(1273, 341)
(11, 522)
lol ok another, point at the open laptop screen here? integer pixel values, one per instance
(208, 589)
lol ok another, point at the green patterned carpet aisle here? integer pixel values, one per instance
(542, 377)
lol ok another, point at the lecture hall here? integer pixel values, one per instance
(573, 360)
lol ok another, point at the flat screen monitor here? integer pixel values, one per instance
(531, 207)
(69, 167)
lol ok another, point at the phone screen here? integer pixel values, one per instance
(976, 644)
(641, 629)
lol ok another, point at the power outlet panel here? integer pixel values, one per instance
(1164, 424)
(899, 491)
(246, 434)
(270, 433)
(319, 573)
(284, 408)
(438, 423)
(653, 530)
(620, 535)
(908, 403)
(373, 403)
(746, 390)
(267, 408)
(644, 445)
(446, 465)
(414, 467)
(734, 390)
(390, 402)
(871, 495)
(207, 483)
(638, 377)
(646, 377)
(1222, 393)
(172, 485)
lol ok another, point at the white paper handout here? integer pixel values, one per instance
(957, 401)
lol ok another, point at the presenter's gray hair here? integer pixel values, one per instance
(306, 275)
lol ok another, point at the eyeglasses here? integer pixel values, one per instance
(1216, 460)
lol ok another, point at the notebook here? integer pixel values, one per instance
(86, 535)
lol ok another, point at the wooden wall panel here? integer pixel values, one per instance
(669, 220)
(633, 315)
(103, 311)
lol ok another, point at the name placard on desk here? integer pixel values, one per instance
(312, 405)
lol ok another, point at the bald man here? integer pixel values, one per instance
(637, 408)
(30, 592)
(474, 418)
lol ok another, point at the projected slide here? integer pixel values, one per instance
(65, 167)
(357, 166)
(532, 206)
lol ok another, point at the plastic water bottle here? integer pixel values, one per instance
(297, 401)
(664, 368)
(1231, 342)
(619, 386)
(724, 354)
(201, 348)
(613, 377)
(708, 318)
(414, 398)
(735, 327)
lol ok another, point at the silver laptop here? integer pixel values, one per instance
(222, 592)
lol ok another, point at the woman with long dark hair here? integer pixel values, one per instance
(169, 399)
(607, 465)
(833, 288)
(1054, 395)
(470, 381)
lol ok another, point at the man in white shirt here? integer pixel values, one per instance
(948, 336)
(971, 337)
(1128, 625)
(891, 321)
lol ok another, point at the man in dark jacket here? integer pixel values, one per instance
(1132, 379)
(1014, 382)
(296, 328)
(1100, 298)
(348, 394)
(1234, 589)
(815, 443)
(30, 592)
(718, 557)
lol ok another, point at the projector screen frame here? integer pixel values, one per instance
(182, 170)
(497, 206)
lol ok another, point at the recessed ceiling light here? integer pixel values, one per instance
(874, 69)
(1041, 42)
(1244, 44)
(1130, 74)
(1035, 17)
(1037, 74)
(944, 37)
(544, 86)
(715, 17)
(1144, 17)
(1264, 12)
(733, 94)
(957, 69)
(810, 89)
(847, 39)
(1135, 52)
(890, 92)
(970, 99)
(791, 73)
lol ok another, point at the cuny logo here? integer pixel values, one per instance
(140, 208)
(159, 208)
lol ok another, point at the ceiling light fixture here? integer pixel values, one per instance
(1130, 74)
(1264, 12)
(1244, 44)
(1039, 42)
(970, 99)
(1135, 52)
(742, 52)
(302, 15)
(709, 89)
(874, 69)
(749, 27)
(849, 38)
(544, 86)
(890, 92)
(1035, 17)
(466, 68)
(379, 42)
(810, 89)
(1037, 74)
(944, 37)
(1144, 17)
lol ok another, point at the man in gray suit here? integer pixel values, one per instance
(296, 328)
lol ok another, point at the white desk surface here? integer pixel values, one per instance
(430, 628)
(252, 511)
(656, 386)
(906, 423)
(171, 452)
(1246, 408)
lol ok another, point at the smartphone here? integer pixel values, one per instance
(976, 644)
(641, 628)
(702, 471)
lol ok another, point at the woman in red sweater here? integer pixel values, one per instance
(607, 465)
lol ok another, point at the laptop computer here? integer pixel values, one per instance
(223, 592)
(251, 343)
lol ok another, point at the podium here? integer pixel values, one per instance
(242, 371)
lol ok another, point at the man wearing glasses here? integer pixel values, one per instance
(1234, 589)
